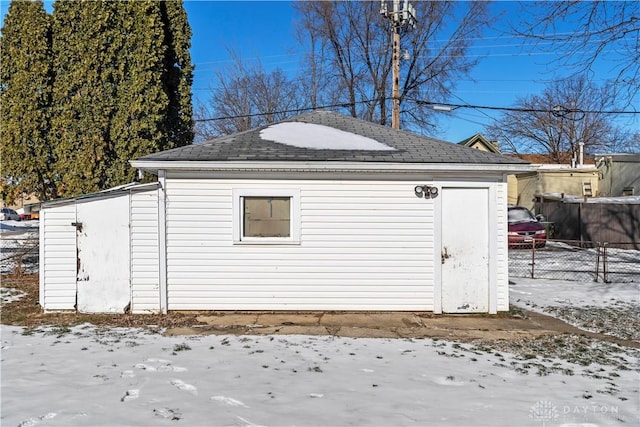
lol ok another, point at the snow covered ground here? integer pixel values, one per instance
(608, 308)
(86, 376)
(89, 376)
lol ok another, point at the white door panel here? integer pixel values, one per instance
(103, 255)
(465, 250)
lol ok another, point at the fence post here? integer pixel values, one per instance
(605, 273)
(533, 257)
(595, 279)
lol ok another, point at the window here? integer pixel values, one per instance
(266, 216)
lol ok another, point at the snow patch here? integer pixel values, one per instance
(181, 385)
(228, 401)
(319, 137)
(130, 395)
(11, 295)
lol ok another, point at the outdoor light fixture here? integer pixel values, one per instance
(426, 191)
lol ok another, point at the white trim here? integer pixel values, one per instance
(294, 218)
(437, 251)
(130, 241)
(328, 166)
(41, 262)
(493, 250)
(162, 242)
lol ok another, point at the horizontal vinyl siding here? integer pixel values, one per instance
(502, 273)
(145, 265)
(363, 246)
(58, 265)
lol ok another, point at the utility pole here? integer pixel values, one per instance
(399, 19)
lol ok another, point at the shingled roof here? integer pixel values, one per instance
(385, 145)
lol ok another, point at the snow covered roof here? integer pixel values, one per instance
(328, 136)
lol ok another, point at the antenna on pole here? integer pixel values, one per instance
(400, 18)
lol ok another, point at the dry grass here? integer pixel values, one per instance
(27, 312)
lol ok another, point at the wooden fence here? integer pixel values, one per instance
(616, 224)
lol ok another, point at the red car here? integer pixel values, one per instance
(524, 228)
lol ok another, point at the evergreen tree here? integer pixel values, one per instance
(142, 105)
(25, 98)
(122, 88)
(86, 47)
(178, 76)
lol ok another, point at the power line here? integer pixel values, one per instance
(293, 110)
(442, 106)
(553, 110)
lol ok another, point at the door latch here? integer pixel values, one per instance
(444, 255)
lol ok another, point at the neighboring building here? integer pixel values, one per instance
(319, 212)
(619, 174)
(23, 201)
(575, 180)
(479, 142)
(580, 181)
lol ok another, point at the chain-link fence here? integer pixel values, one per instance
(19, 253)
(577, 260)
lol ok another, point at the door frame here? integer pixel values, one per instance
(493, 241)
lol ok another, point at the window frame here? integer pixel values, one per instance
(238, 216)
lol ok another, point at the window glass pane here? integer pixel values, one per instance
(266, 217)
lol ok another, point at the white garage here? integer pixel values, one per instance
(319, 212)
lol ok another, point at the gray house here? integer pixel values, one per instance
(319, 212)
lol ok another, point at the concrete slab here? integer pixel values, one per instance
(300, 319)
(370, 320)
(385, 325)
(228, 320)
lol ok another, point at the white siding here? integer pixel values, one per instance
(364, 245)
(58, 263)
(145, 267)
(502, 271)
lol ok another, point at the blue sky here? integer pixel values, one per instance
(265, 30)
(509, 69)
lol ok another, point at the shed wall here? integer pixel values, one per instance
(58, 258)
(145, 252)
(364, 245)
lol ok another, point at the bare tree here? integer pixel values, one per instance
(356, 55)
(246, 97)
(567, 113)
(603, 31)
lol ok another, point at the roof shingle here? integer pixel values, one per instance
(409, 147)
